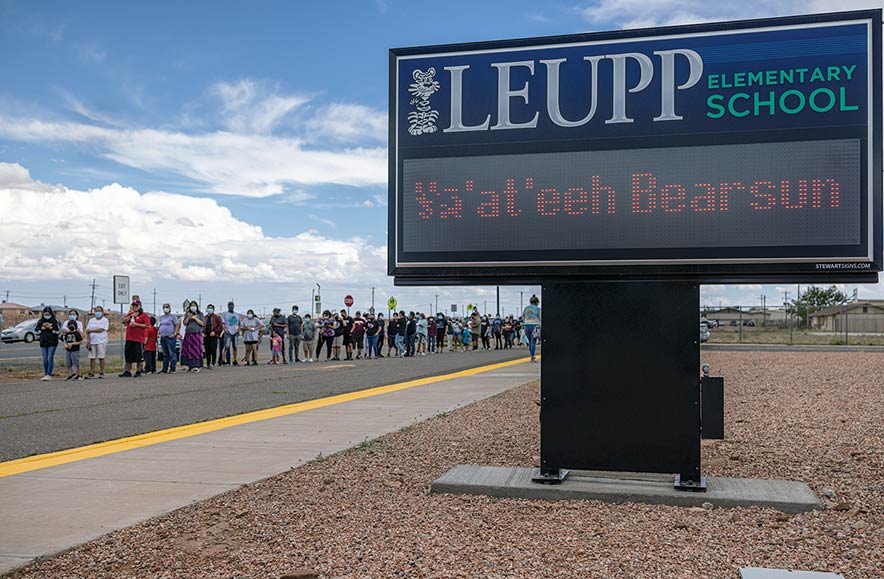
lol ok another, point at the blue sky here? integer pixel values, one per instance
(239, 149)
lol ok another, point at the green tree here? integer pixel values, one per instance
(815, 299)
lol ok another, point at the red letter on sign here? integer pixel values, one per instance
(576, 201)
(672, 198)
(597, 190)
(786, 194)
(548, 207)
(706, 201)
(510, 195)
(816, 193)
(724, 194)
(643, 183)
(490, 207)
(762, 200)
(426, 210)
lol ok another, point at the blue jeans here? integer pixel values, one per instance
(399, 342)
(532, 341)
(372, 346)
(48, 353)
(170, 356)
(409, 344)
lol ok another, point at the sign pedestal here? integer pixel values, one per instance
(620, 387)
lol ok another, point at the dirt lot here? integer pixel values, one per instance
(367, 513)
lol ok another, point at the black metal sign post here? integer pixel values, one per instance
(622, 169)
(620, 385)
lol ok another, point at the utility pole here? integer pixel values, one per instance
(154, 301)
(437, 304)
(763, 309)
(199, 300)
(372, 299)
(65, 300)
(789, 312)
(7, 295)
(92, 300)
(498, 300)
(521, 301)
(319, 296)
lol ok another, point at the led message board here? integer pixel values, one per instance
(735, 150)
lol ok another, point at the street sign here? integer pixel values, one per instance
(453, 308)
(121, 289)
(391, 303)
(739, 150)
(470, 307)
(348, 300)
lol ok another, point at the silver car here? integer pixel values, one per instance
(24, 332)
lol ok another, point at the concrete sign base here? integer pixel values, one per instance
(515, 482)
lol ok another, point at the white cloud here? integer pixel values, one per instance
(350, 123)
(249, 106)
(649, 13)
(57, 233)
(253, 165)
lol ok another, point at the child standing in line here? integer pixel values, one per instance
(276, 347)
(72, 341)
(467, 337)
(150, 347)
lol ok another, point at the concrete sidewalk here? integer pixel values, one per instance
(49, 510)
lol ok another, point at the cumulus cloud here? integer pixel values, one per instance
(53, 232)
(254, 165)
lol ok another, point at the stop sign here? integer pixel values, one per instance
(348, 300)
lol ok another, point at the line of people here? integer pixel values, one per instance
(200, 340)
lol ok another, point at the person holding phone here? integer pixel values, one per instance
(48, 329)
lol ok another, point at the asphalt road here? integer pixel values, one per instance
(38, 417)
(30, 353)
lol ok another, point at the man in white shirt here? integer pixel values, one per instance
(96, 341)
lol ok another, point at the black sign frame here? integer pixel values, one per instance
(435, 269)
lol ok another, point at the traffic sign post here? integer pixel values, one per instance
(122, 290)
(348, 301)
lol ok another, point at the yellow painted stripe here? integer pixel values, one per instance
(39, 461)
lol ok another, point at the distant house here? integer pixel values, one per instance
(13, 313)
(860, 316)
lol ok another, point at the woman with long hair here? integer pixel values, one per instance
(531, 321)
(192, 347)
(48, 328)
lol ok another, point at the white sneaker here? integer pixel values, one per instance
(45, 378)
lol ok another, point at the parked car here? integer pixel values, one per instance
(749, 323)
(734, 323)
(23, 332)
(704, 332)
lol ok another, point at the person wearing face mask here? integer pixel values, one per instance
(213, 330)
(193, 323)
(150, 347)
(73, 316)
(48, 328)
(251, 333)
(96, 341)
(136, 323)
(295, 328)
(167, 326)
(278, 325)
(308, 338)
(231, 321)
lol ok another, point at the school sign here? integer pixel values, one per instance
(742, 150)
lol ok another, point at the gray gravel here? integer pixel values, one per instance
(38, 417)
(367, 513)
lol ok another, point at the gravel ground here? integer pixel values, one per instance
(367, 513)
